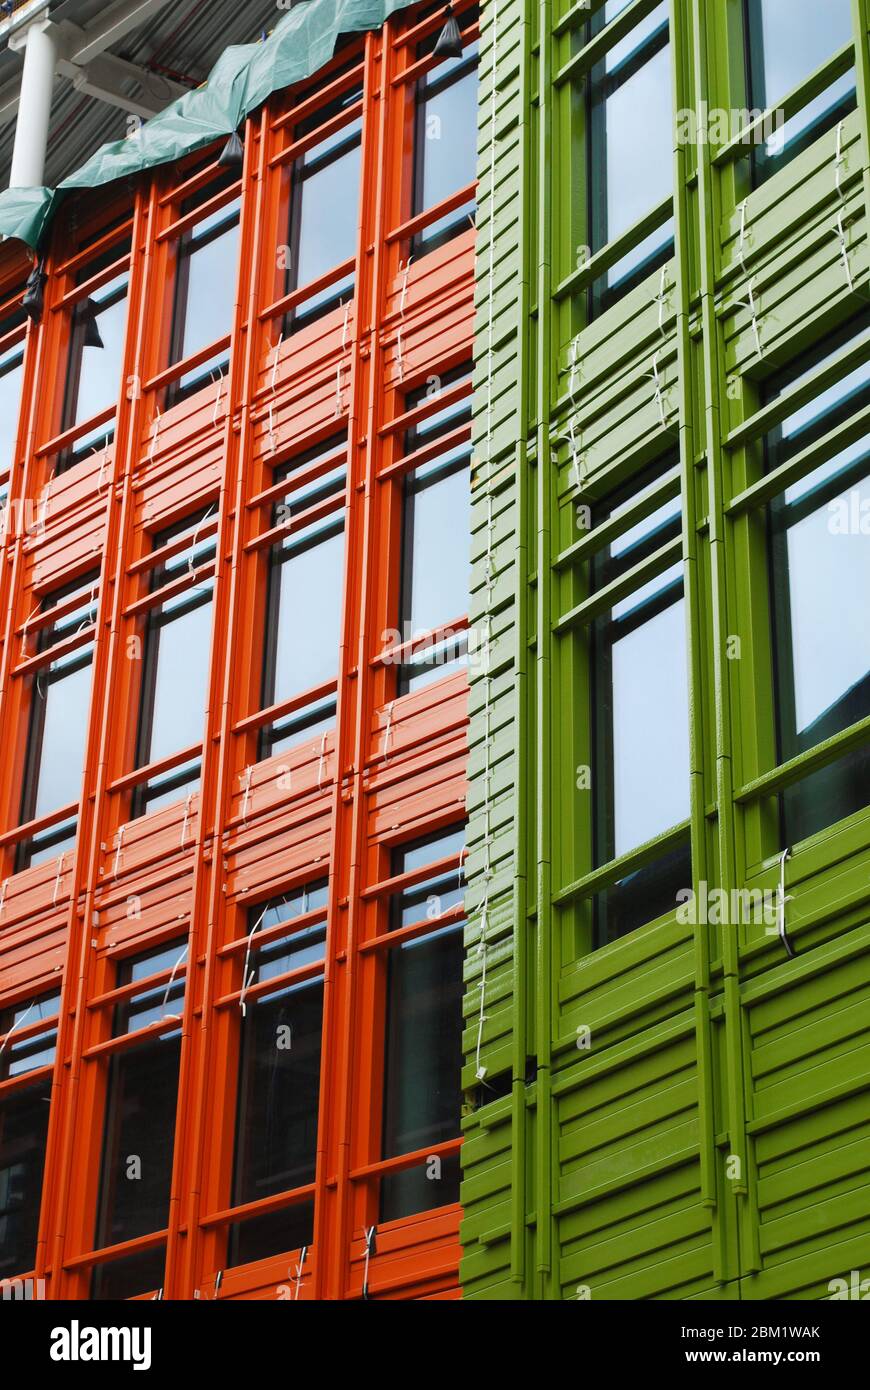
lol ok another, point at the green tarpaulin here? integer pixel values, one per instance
(243, 78)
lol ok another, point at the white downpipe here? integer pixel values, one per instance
(40, 44)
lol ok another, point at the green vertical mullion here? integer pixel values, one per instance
(681, 48)
(715, 388)
(523, 777)
(544, 622)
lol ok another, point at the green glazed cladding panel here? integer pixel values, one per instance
(682, 1113)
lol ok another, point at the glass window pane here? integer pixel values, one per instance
(99, 381)
(642, 896)
(23, 1129)
(795, 37)
(788, 40)
(650, 727)
(449, 141)
(438, 554)
(129, 1277)
(64, 730)
(309, 617)
(638, 153)
(328, 220)
(260, 1237)
(181, 651)
(211, 290)
(139, 1135)
(829, 669)
(422, 1101)
(279, 1089)
(11, 376)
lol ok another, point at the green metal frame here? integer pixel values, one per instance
(705, 1143)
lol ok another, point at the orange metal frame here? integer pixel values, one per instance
(394, 769)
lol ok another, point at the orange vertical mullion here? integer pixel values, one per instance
(357, 1054)
(206, 913)
(68, 1141)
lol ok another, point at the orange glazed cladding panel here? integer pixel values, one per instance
(393, 768)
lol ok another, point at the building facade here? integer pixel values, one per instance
(671, 943)
(434, 673)
(235, 562)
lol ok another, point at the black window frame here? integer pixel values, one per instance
(601, 84)
(762, 165)
(202, 551)
(622, 907)
(83, 314)
(307, 718)
(424, 241)
(396, 1190)
(187, 244)
(50, 636)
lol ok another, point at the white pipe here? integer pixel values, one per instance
(34, 105)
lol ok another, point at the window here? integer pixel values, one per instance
(206, 275)
(436, 558)
(324, 200)
(279, 1071)
(96, 352)
(139, 1132)
(59, 705)
(306, 583)
(630, 160)
(445, 138)
(423, 1042)
(640, 718)
(787, 40)
(28, 1034)
(820, 564)
(176, 659)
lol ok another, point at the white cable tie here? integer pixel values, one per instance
(404, 293)
(839, 161)
(17, 1026)
(27, 621)
(338, 388)
(218, 1280)
(659, 396)
(781, 901)
(480, 1071)
(344, 326)
(661, 299)
(57, 878)
(247, 774)
(271, 436)
(400, 361)
(321, 762)
(751, 307)
(3, 896)
(170, 982)
(388, 728)
(275, 361)
(741, 245)
(247, 976)
(187, 802)
(575, 366)
(844, 248)
(155, 433)
(118, 850)
(302, 1253)
(371, 1248)
(217, 402)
